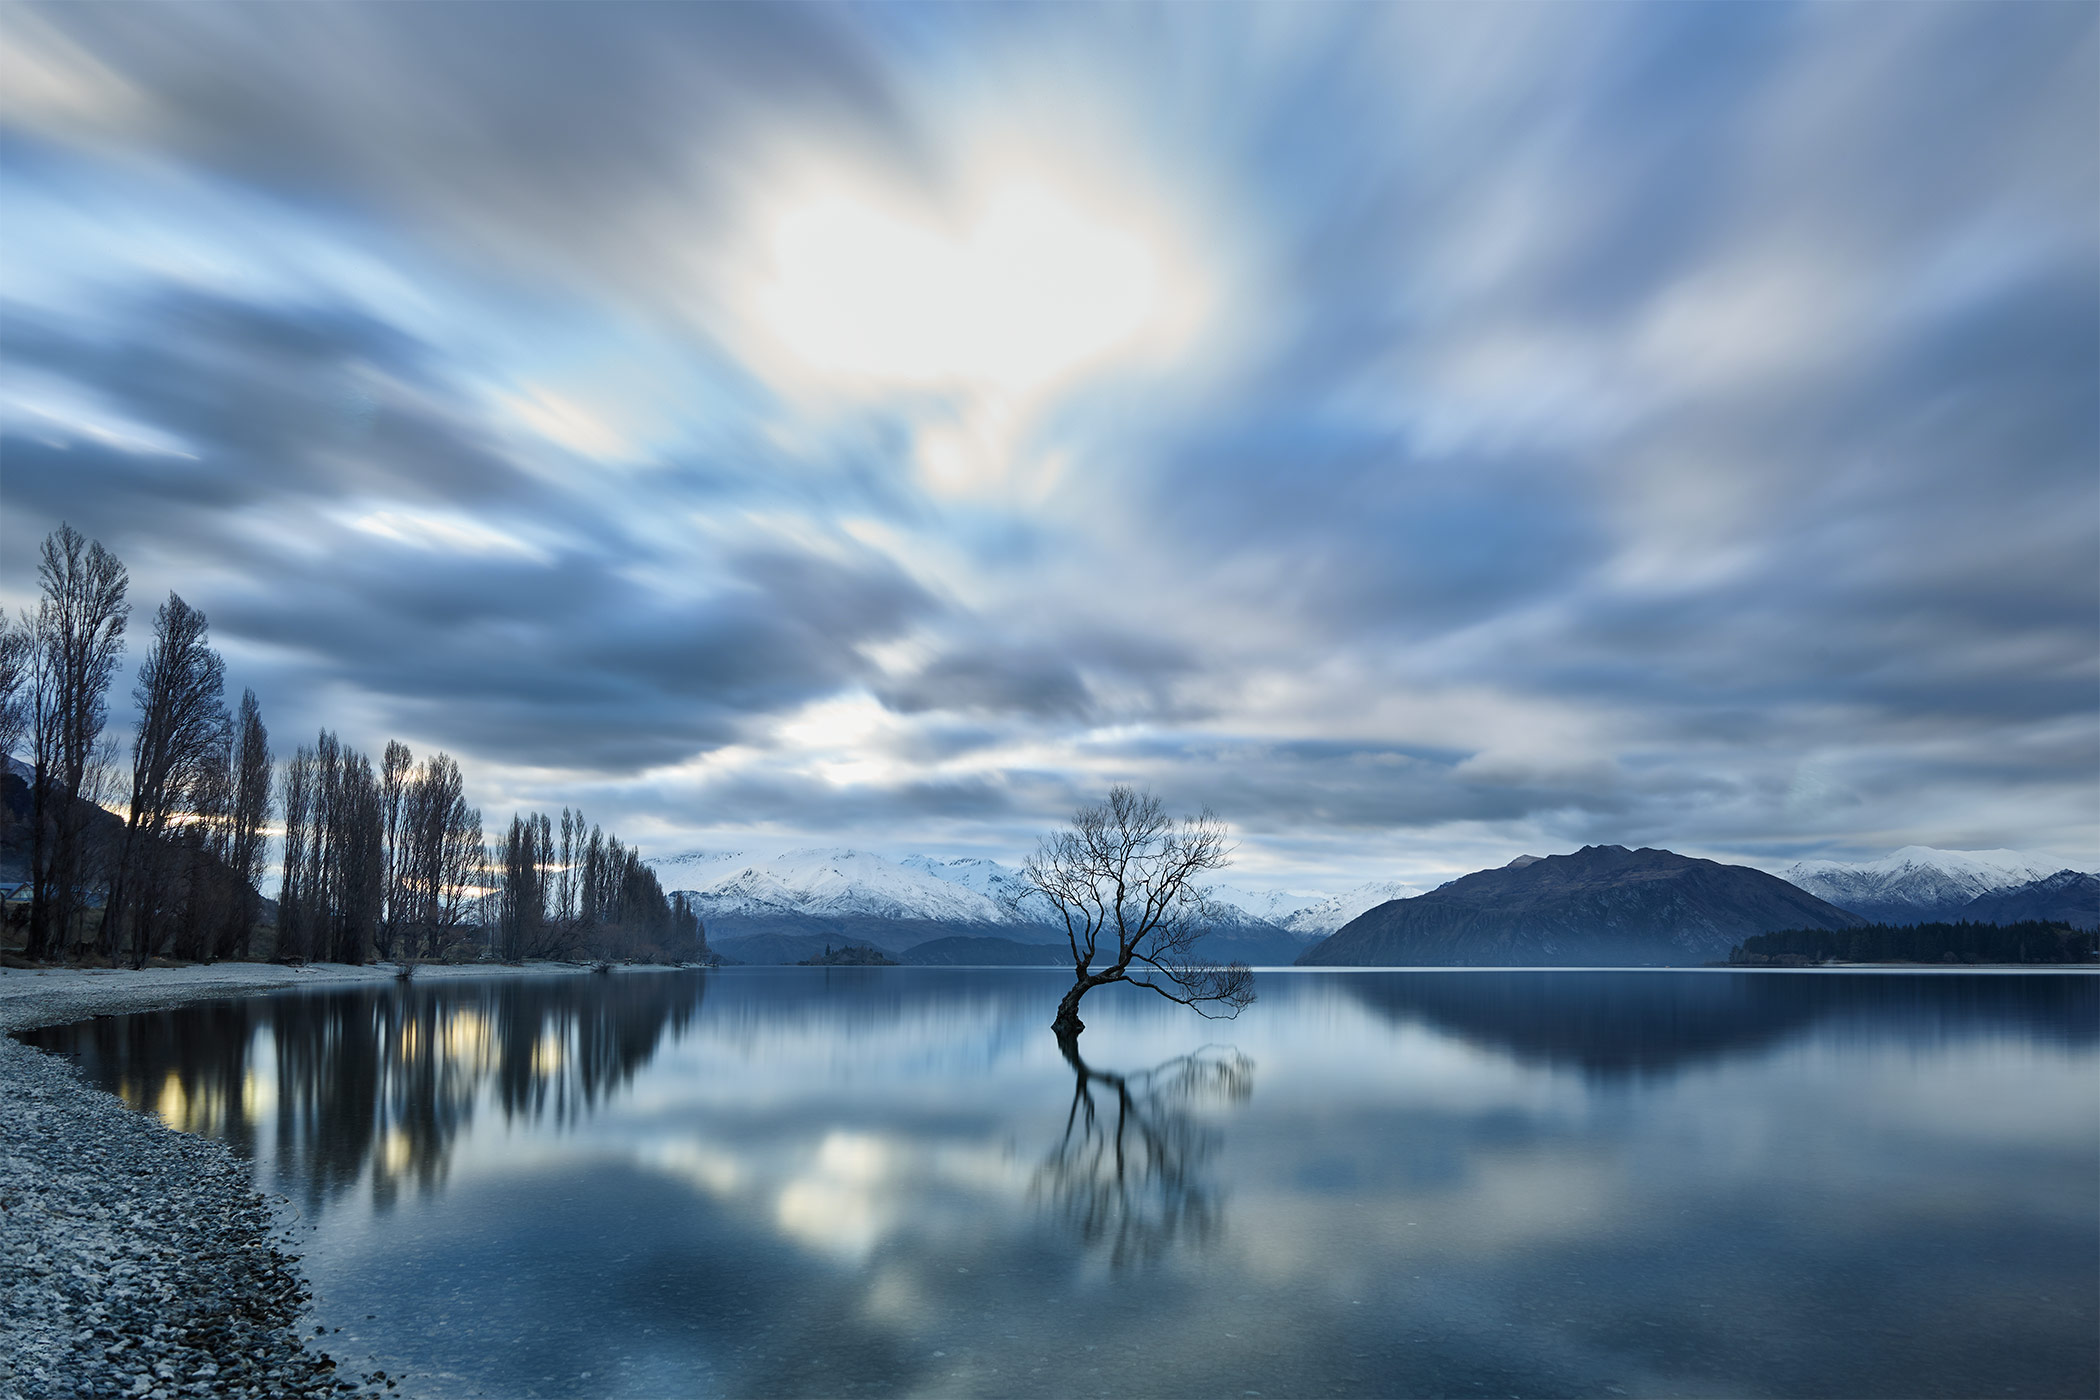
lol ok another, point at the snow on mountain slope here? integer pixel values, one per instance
(1917, 881)
(1245, 908)
(842, 883)
(1269, 906)
(1318, 919)
(998, 883)
(826, 882)
(1310, 916)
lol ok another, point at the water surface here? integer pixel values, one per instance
(888, 1181)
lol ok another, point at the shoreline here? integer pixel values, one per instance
(136, 1259)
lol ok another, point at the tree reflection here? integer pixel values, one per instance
(1129, 1174)
(383, 1081)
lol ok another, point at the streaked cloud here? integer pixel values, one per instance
(1425, 433)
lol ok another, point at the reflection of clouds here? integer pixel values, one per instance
(716, 1173)
(843, 1202)
(850, 1191)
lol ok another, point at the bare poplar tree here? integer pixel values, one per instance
(396, 776)
(565, 872)
(441, 853)
(200, 893)
(17, 656)
(17, 643)
(294, 921)
(247, 825)
(358, 842)
(323, 859)
(79, 641)
(521, 900)
(181, 735)
(1123, 877)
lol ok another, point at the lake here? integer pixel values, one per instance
(798, 1181)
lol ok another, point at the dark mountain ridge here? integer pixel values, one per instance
(2067, 897)
(1600, 906)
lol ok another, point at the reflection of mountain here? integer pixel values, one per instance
(382, 1078)
(1637, 1022)
(1129, 1173)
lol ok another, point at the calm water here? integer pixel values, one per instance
(852, 1181)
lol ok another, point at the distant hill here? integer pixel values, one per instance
(779, 948)
(1601, 906)
(986, 952)
(890, 935)
(2067, 897)
(1254, 943)
(851, 956)
(1918, 883)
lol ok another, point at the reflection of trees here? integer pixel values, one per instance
(196, 1081)
(1129, 1172)
(385, 1079)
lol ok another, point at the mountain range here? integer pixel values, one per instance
(1917, 884)
(790, 906)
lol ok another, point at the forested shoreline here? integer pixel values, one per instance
(381, 860)
(2031, 942)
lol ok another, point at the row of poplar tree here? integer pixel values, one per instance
(386, 860)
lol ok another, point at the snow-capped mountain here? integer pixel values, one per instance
(825, 883)
(1319, 919)
(2067, 897)
(998, 883)
(1918, 882)
(1311, 916)
(1269, 906)
(835, 892)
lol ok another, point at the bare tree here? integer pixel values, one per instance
(446, 857)
(357, 840)
(246, 825)
(79, 640)
(556, 898)
(17, 643)
(181, 736)
(334, 854)
(521, 894)
(294, 895)
(17, 662)
(396, 773)
(1123, 878)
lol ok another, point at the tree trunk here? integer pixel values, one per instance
(1068, 1025)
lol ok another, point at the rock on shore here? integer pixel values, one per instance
(135, 1260)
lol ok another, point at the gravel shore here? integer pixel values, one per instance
(135, 1260)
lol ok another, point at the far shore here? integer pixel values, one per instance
(34, 996)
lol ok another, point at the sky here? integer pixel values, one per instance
(1420, 433)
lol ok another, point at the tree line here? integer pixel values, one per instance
(2031, 942)
(380, 860)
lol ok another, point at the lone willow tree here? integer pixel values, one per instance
(1124, 879)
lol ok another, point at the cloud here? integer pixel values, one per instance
(1673, 426)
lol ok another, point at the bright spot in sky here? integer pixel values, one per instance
(1029, 290)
